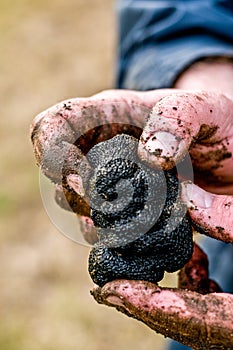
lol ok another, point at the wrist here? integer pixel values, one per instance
(214, 74)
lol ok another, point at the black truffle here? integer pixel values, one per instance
(142, 224)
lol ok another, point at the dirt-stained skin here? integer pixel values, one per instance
(62, 137)
(195, 274)
(199, 321)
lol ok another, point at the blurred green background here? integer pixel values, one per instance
(50, 51)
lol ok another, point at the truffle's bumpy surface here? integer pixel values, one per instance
(142, 225)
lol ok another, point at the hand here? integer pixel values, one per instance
(180, 122)
(193, 122)
(184, 314)
(198, 321)
(53, 134)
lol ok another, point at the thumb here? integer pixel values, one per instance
(176, 313)
(196, 121)
(211, 214)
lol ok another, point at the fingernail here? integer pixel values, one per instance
(162, 144)
(76, 183)
(114, 300)
(195, 196)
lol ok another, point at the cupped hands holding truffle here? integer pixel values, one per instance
(70, 142)
(169, 124)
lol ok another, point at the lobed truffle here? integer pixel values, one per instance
(142, 224)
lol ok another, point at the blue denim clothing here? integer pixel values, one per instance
(158, 39)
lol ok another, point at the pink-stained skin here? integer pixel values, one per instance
(200, 123)
(211, 213)
(199, 321)
(54, 132)
(88, 229)
(57, 128)
(194, 275)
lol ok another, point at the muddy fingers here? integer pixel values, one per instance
(137, 231)
(211, 214)
(194, 275)
(84, 122)
(199, 321)
(197, 121)
(64, 133)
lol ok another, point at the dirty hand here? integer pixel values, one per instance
(179, 122)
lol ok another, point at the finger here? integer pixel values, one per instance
(70, 200)
(83, 122)
(211, 214)
(64, 133)
(199, 121)
(88, 229)
(195, 274)
(201, 322)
